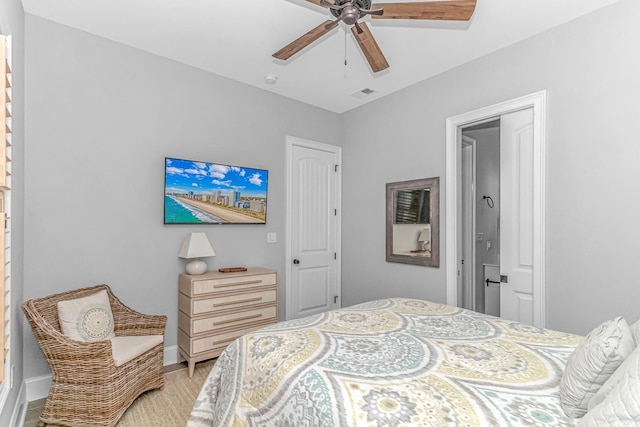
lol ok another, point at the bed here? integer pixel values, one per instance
(389, 362)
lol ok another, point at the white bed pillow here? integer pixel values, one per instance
(592, 363)
(87, 319)
(635, 330)
(621, 405)
(623, 370)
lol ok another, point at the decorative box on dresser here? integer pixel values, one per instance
(216, 308)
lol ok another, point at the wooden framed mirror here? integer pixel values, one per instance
(413, 222)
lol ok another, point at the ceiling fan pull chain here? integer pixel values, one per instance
(345, 51)
(345, 45)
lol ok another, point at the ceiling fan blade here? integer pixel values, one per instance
(305, 40)
(451, 10)
(370, 47)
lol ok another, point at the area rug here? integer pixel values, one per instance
(171, 405)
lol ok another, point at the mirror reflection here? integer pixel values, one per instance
(412, 207)
(412, 218)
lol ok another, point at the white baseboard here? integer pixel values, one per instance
(38, 387)
(19, 409)
(171, 355)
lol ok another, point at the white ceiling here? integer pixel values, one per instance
(236, 39)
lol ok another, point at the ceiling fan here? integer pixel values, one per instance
(350, 11)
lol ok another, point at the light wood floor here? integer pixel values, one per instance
(35, 408)
(33, 412)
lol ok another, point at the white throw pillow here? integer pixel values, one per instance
(635, 330)
(621, 405)
(87, 319)
(592, 363)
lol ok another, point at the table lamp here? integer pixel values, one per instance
(194, 247)
(425, 238)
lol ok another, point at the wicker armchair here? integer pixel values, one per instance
(87, 389)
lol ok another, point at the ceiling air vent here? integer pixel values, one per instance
(362, 93)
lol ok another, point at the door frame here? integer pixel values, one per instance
(454, 125)
(290, 143)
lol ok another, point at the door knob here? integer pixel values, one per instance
(296, 261)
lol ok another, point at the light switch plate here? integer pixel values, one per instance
(271, 237)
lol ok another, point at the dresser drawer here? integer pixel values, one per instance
(217, 341)
(201, 287)
(213, 323)
(195, 307)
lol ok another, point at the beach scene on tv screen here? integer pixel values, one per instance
(209, 193)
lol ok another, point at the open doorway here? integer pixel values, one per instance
(521, 227)
(480, 211)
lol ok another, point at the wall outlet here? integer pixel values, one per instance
(271, 237)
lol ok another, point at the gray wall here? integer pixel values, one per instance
(102, 117)
(590, 69)
(12, 23)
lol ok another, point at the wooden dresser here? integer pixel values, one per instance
(216, 308)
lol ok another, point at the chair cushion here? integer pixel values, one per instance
(592, 363)
(620, 405)
(87, 319)
(125, 349)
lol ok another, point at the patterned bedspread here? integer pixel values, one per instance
(389, 362)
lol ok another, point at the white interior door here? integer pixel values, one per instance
(516, 216)
(313, 240)
(468, 229)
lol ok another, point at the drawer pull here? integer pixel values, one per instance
(219, 342)
(242, 301)
(228, 285)
(239, 319)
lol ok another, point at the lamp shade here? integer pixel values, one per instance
(425, 235)
(196, 245)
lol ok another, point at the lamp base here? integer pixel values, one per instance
(196, 267)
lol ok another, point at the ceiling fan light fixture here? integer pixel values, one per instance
(270, 79)
(350, 15)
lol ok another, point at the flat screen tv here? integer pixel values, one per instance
(210, 193)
